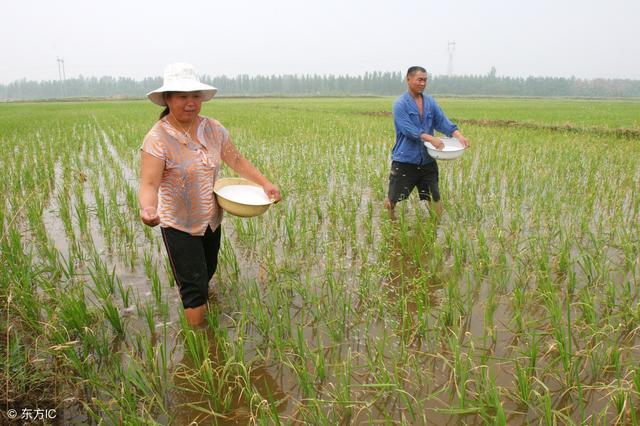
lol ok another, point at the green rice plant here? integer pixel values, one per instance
(105, 282)
(461, 371)
(102, 214)
(156, 286)
(615, 361)
(319, 362)
(523, 383)
(132, 198)
(289, 225)
(451, 309)
(561, 334)
(97, 342)
(636, 380)
(547, 409)
(620, 404)
(169, 272)
(271, 416)
(148, 312)
(491, 409)
(196, 345)
(64, 210)
(81, 212)
(587, 306)
(112, 314)
(343, 391)
(489, 312)
(597, 360)
(305, 378)
(633, 416)
(125, 294)
(148, 233)
(526, 370)
(229, 260)
(101, 207)
(34, 215)
(134, 402)
(131, 247)
(74, 315)
(518, 309)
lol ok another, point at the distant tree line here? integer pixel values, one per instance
(374, 83)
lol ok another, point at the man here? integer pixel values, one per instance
(415, 117)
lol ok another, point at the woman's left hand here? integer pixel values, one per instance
(272, 192)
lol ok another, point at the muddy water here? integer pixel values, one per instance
(498, 342)
(282, 384)
(193, 406)
(404, 277)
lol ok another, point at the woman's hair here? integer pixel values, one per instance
(166, 111)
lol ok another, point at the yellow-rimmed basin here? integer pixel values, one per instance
(241, 197)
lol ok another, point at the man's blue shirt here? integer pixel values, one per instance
(409, 148)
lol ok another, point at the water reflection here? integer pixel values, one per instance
(410, 245)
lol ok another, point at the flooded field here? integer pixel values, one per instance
(520, 306)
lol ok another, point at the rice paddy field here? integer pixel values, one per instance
(519, 306)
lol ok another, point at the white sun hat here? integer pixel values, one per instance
(181, 77)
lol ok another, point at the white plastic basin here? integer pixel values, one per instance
(452, 149)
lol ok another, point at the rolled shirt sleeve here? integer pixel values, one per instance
(403, 123)
(440, 121)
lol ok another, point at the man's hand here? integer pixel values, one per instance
(436, 142)
(464, 141)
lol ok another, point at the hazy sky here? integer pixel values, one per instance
(137, 38)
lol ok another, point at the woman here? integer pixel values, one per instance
(180, 159)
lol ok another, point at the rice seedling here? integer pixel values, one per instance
(519, 305)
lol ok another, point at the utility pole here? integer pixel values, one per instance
(451, 47)
(61, 73)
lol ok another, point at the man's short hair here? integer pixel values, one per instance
(414, 69)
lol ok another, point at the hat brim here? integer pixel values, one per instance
(208, 92)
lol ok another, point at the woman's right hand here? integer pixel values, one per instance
(272, 192)
(149, 216)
